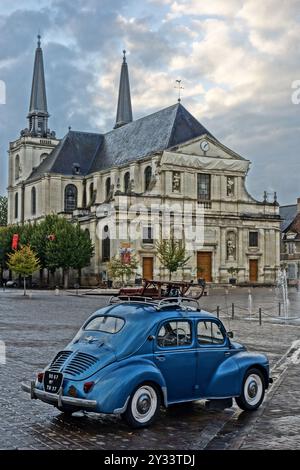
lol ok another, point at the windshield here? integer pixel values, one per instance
(105, 324)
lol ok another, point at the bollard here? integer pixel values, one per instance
(232, 311)
(259, 312)
(56, 290)
(218, 311)
(279, 309)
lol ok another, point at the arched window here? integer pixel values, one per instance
(148, 176)
(16, 205)
(105, 244)
(17, 167)
(33, 201)
(70, 198)
(91, 192)
(87, 232)
(107, 187)
(126, 182)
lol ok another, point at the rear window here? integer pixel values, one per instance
(105, 324)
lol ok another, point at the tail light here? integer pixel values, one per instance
(88, 386)
(40, 377)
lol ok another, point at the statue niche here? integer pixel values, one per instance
(231, 246)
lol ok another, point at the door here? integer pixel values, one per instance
(217, 373)
(175, 356)
(148, 268)
(204, 265)
(253, 270)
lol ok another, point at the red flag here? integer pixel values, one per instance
(15, 241)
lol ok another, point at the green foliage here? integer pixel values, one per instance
(3, 210)
(23, 262)
(233, 271)
(172, 255)
(56, 242)
(118, 269)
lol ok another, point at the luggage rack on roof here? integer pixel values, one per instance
(165, 303)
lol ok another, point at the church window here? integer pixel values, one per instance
(91, 192)
(33, 201)
(107, 187)
(106, 244)
(70, 198)
(253, 239)
(148, 176)
(126, 182)
(17, 167)
(203, 187)
(16, 205)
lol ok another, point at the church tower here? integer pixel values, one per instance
(124, 111)
(34, 143)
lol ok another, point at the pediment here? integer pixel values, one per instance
(215, 149)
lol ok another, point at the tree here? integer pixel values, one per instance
(172, 255)
(118, 268)
(67, 246)
(3, 210)
(23, 262)
(6, 235)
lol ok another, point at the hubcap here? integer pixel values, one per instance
(144, 403)
(253, 389)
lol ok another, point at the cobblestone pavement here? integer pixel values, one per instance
(35, 328)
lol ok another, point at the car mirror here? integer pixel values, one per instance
(151, 338)
(229, 334)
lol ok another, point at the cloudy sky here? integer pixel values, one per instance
(237, 60)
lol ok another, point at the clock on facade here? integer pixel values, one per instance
(204, 145)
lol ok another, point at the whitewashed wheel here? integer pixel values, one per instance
(143, 406)
(253, 390)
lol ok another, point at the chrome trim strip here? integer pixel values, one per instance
(59, 399)
(119, 411)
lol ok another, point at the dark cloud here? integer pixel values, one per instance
(245, 70)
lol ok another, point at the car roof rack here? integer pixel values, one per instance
(168, 302)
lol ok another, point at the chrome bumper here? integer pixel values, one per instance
(58, 399)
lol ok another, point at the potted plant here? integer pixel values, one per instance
(233, 272)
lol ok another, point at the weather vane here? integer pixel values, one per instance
(179, 88)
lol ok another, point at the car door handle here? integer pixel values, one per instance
(160, 358)
(227, 353)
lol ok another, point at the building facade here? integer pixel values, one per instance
(165, 169)
(290, 241)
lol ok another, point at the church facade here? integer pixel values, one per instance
(159, 176)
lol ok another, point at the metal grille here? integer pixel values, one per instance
(80, 363)
(59, 361)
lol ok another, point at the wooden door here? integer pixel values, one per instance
(204, 265)
(148, 268)
(253, 270)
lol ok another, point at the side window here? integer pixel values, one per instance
(174, 334)
(208, 332)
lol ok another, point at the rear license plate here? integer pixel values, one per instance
(52, 381)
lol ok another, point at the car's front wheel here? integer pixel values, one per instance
(143, 407)
(253, 390)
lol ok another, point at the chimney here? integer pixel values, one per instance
(298, 205)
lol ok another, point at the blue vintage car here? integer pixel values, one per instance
(132, 357)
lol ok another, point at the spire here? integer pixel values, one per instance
(124, 111)
(38, 111)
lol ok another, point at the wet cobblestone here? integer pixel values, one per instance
(35, 328)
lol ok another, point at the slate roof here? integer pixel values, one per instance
(288, 214)
(75, 148)
(134, 141)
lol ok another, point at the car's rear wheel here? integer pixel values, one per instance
(253, 390)
(143, 407)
